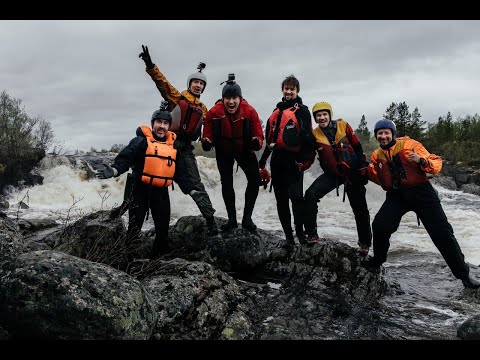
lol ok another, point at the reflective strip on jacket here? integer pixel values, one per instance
(188, 112)
(391, 168)
(160, 158)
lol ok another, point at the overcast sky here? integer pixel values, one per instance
(86, 79)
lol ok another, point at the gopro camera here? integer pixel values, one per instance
(164, 105)
(201, 66)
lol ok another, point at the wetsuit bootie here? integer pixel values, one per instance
(230, 224)
(470, 283)
(212, 228)
(249, 225)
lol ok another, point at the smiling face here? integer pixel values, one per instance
(384, 136)
(290, 92)
(197, 86)
(160, 128)
(322, 118)
(231, 103)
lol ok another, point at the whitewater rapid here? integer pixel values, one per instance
(66, 194)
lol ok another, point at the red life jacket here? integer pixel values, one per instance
(336, 157)
(284, 129)
(160, 159)
(231, 133)
(187, 118)
(395, 170)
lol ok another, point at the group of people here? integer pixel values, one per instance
(163, 154)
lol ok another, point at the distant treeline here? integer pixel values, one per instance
(24, 140)
(455, 140)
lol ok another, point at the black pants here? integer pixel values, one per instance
(249, 164)
(356, 196)
(424, 201)
(287, 184)
(157, 199)
(186, 172)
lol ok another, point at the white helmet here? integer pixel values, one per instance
(198, 76)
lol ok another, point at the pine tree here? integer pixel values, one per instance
(416, 127)
(391, 113)
(362, 131)
(403, 120)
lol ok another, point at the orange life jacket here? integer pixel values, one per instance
(160, 159)
(394, 170)
(186, 117)
(336, 157)
(284, 129)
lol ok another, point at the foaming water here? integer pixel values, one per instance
(66, 190)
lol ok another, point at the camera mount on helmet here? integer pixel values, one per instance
(164, 105)
(231, 79)
(201, 66)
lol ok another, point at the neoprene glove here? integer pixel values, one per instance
(206, 145)
(262, 163)
(106, 173)
(256, 144)
(146, 57)
(301, 167)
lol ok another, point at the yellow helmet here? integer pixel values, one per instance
(323, 105)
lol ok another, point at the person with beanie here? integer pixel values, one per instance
(188, 113)
(290, 156)
(233, 127)
(152, 158)
(342, 160)
(400, 166)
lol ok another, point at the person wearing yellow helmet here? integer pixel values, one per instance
(342, 159)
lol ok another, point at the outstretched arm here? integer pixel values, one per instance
(167, 90)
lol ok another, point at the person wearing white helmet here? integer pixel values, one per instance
(188, 113)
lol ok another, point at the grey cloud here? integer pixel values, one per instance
(86, 78)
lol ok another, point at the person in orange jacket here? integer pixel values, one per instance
(188, 113)
(400, 166)
(232, 125)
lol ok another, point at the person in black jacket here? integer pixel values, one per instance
(188, 113)
(149, 189)
(288, 163)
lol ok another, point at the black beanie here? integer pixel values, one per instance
(231, 90)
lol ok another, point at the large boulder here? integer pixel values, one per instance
(52, 295)
(470, 329)
(94, 237)
(195, 301)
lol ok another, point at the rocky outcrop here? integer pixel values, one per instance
(235, 285)
(462, 175)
